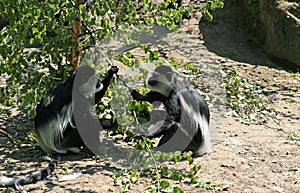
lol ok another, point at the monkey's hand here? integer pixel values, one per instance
(113, 70)
(136, 95)
(151, 96)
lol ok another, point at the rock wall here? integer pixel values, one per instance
(281, 21)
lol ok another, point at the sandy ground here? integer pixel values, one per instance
(244, 158)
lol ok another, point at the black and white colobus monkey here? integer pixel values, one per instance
(54, 123)
(186, 124)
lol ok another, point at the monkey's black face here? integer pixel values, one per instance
(55, 123)
(90, 86)
(161, 74)
(153, 80)
(186, 124)
(89, 83)
(160, 83)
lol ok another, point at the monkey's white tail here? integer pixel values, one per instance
(18, 182)
(206, 145)
(5, 181)
(12, 182)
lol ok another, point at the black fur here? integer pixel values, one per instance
(55, 113)
(17, 183)
(185, 127)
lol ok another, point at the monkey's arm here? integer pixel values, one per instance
(150, 96)
(105, 82)
(155, 130)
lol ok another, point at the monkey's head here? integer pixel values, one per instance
(161, 80)
(87, 81)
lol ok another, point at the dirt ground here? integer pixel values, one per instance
(244, 158)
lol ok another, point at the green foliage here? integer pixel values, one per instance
(6, 190)
(178, 156)
(31, 137)
(211, 5)
(193, 171)
(189, 68)
(167, 187)
(126, 179)
(127, 59)
(195, 180)
(192, 69)
(175, 175)
(48, 30)
(35, 55)
(29, 26)
(65, 166)
(162, 179)
(144, 144)
(246, 99)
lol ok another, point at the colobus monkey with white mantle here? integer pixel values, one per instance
(54, 121)
(186, 124)
(55, 126)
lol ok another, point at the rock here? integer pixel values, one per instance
(281, 21)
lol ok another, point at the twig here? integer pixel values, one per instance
(107, 60)
(123, 82)
(150, 152)
(8, 136)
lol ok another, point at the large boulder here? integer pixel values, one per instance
(281, 21)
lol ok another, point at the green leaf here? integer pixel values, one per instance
(176, 175)
(217, 5)
(65, 166)
(177, 190)
(164, 171)
(164, 184)
(207, 15)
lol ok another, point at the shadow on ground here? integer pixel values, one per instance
(230, 35)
